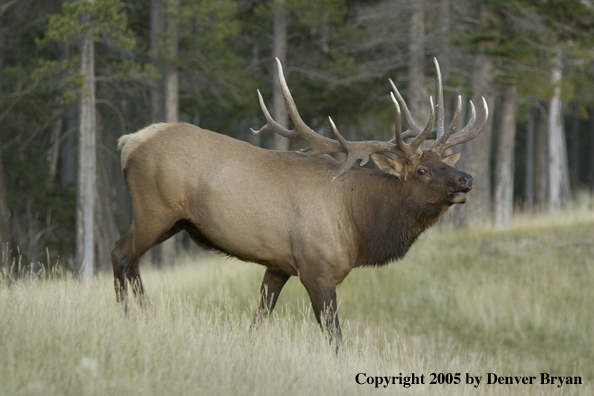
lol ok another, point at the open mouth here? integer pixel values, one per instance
(460, 197)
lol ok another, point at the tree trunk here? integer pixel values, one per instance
(171, 71)
(4, 212)
(279, 50)
(443, 40)
(417, 93)
(591, 156)
(31, 219)
(476, 153)
(541, 148)
(251, 137)
(122, 205)
(504, 166)
(529, 180)
(106, 230)
(574, 158)
(68, 152)
(557, 164)
(85, 237)
(167, 251)
(325, 33)
(54, 154)
(157, 42)
(156, 89)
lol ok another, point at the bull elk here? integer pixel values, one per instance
(300, 213)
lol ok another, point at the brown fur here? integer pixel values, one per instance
(279, 209)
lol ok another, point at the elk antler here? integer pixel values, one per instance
(319, 144)
(444, 139)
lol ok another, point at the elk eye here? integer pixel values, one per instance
(421, 172)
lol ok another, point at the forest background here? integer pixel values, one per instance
(76, 75)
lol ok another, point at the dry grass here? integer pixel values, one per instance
(515, 303)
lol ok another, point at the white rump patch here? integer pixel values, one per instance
(128, 143)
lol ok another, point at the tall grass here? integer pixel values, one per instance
(514, 303)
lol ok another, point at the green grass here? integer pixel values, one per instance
(516, 303)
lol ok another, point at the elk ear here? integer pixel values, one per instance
(389, 165)
(451, 159)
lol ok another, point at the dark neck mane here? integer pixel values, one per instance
(389, 221)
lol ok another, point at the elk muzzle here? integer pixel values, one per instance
(464, 185)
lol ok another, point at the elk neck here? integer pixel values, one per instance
(388, 218)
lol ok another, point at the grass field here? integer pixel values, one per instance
(513, 303)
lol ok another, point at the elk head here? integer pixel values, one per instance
(433, 177)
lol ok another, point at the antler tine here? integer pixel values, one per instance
(398, 122)
(414, 131)
(438, 144)
(440, 127)
(363, 149)
(469, 132)
(318, 144)
(420, 138)
(351, 159)
(412, 125)
(271, 125)
(409, 151)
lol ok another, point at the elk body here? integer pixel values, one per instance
(297, 213)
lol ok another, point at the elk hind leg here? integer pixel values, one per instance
(125, 256)
(121, 258)
(133, 277)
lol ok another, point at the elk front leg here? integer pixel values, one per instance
(323, 301)
(272, 284)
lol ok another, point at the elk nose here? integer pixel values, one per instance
(465, 181)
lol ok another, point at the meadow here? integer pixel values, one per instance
(515, 303)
